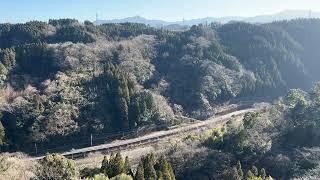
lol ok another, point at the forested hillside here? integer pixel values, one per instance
(65, 79)
(281, 142)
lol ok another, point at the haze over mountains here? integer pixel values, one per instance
(284, 15)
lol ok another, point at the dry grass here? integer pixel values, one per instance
(16, 167)
(95, 159)
(171, 143)
(134, 154)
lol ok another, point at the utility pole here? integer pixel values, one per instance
(91, 139)
(97, 17)
(36, 148)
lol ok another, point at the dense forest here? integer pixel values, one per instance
(281, 142)
(64, 80)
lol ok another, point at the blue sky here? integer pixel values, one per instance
(171, 10)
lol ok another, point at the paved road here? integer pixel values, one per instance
(154, 137)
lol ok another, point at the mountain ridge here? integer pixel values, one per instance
(266, 18)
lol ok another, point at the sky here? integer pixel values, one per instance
(15, 11)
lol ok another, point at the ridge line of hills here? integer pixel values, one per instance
(267, 18)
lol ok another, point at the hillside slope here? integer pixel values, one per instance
(64, 80)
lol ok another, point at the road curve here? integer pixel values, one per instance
(153, 137)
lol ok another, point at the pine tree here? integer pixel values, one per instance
(127, 167)
(117, 165)
(149, 171)
(140, 172)
(124, 100)
(105, 166)
(151, 158)
(163, 169)
(134, 112)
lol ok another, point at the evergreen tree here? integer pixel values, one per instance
(123, 100)
(149, 171)
(117, 96)
(116, 165)
(140, 172)
(163, 169)
(151, 158)
(105, 166)
(127, 167)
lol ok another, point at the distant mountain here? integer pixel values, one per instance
(284, 15)
(134, 19)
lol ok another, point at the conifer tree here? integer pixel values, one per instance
(140, 172)
(105, 166)
(149, 171)
(163, 169)
(127, 167)
(151, 158)
(116, 165)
